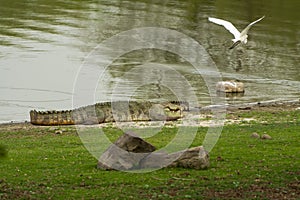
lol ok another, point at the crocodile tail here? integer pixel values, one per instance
(33, 116)
(50, 118)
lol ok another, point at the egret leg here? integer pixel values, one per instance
(235, 44)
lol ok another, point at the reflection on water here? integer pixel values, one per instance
(43, 44)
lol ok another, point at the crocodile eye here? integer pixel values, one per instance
(168, 108)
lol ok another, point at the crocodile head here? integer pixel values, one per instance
(167, 111)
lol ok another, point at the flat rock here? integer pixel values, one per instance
(194, 158)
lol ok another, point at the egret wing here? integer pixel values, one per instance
(228, 25)
(245, 31)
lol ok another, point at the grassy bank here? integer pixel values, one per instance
(40, 164)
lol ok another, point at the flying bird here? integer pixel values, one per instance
(239, 37)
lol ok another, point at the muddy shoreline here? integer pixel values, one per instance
(269, 106)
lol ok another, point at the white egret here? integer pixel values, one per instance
(239, 37)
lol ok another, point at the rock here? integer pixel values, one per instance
(194, 158)
(58, 132)
(255, 135)
(230, 86)
(266, 137)
(126, 153)
(130, 152)
(132, 143)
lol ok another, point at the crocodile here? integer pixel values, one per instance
(121, 111)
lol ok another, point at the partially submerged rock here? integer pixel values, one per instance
(230, 86)
(130, 152)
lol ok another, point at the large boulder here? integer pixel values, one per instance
(126, 153)
(130, 152)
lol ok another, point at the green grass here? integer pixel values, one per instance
(42, 165)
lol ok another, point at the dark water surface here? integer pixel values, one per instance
(43, 44)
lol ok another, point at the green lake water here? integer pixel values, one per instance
(44, 44)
